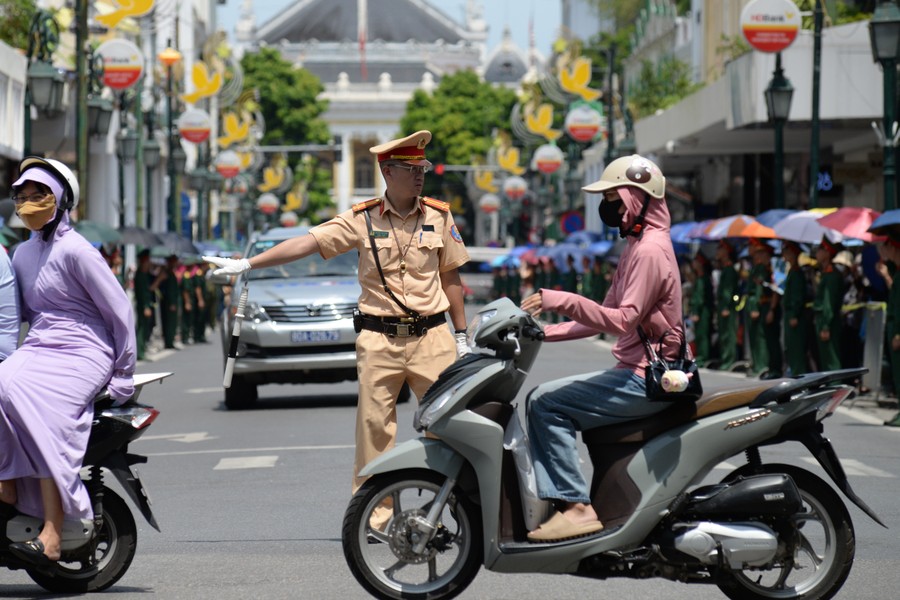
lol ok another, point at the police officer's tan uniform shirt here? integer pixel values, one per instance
(434, 246)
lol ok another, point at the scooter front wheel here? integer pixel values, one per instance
(380, 535)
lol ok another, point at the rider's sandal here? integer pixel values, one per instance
(32, 552)
(559, 528)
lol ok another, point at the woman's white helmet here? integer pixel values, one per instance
(635, 171)
(62, 172)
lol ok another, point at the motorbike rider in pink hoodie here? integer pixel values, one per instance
(645, 291)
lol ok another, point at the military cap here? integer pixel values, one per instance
(410, 149)
(757, 244)
(831, 247)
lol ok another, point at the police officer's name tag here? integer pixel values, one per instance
(379, 234)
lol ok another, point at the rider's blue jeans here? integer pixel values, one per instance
(557, 409)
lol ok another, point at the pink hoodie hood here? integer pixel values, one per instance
(645, 290)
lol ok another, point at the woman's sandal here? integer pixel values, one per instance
(32, 552)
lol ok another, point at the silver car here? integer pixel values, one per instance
(298, 325)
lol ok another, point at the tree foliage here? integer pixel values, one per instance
(15, 21)
(290, 104)
(660, 86)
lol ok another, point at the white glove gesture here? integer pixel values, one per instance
(462, 345)
(228, 266)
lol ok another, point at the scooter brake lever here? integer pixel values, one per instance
(512, 335)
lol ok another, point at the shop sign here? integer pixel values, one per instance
(123, 63)
(770, 25)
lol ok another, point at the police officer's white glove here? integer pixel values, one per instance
(228, 266)
(462, 346)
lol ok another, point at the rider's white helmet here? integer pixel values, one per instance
(635, 171)
(62, 172)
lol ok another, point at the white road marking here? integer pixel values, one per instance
(206, 390)
(855, 467)
(238, 450)
(860, 416)
(248, 462)
(186, 438)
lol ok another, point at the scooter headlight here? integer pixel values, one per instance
(429, 411)
(477, 323)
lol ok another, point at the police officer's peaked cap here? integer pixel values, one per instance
(410, 149)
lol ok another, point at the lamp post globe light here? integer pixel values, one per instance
(169, 57)
(884, 33)
(778, 106)
(45, 85)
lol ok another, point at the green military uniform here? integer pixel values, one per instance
(700, 305)
(726, 294)
(600, 282)
(201, 306)
(514, 286)
(499, 284)
(587, 283)
(796, 335)
(171, 301)
(827, 312)
(765, 337)
(892, 330)
(188, 304)
(143, 300)
(759, 353)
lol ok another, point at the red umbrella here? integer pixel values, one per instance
(853, 221)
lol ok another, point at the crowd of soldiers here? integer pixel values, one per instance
(174, 301)
(750, 308)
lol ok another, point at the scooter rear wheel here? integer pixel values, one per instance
(824, 554)
(116, 545)
(385, 562)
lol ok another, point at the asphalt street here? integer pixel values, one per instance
(250, 503)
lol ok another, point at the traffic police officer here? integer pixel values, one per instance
(827, 306)
(409, 255)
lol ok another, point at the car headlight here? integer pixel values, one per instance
(428, 411)
(256, 313)
(476, 324)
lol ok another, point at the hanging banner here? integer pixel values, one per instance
(268, 203)
(548, 159)
(123, 63)
(770, 25)
(228, 164)
(584, 121)
(194, 125)
(515, 187)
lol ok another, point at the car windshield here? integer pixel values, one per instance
(344, 265)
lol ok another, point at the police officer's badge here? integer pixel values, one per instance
(454, 233)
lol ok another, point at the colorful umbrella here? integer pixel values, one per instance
(680, 232)
(853, 221)
(725, 227)
(757, 230)
(139, 236)
(888, 222)
(804, 227)
(98, 233)
(773, 215)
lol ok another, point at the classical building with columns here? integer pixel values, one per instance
(371, 58)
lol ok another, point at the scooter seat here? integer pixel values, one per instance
(714, 401)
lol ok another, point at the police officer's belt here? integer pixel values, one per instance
(402, 326)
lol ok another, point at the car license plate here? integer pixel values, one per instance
(327, 335)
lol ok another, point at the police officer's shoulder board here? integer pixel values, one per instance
(436, 204)
(366, 205)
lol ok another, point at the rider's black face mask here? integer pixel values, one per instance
(609, 213)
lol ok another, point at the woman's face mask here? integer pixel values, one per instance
(609, 212)
(36, 213)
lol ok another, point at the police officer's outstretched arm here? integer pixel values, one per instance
(285, 252)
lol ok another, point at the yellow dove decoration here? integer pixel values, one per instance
(577, 79)
(235, 130)
(484, 180)
(125, 9)
(294, 200)
(508, 159)
(540, 122)
(246, 159)
(204, 85)
(272, 179)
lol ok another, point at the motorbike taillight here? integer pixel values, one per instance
(135, 416)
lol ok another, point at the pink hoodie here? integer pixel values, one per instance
(645, 290)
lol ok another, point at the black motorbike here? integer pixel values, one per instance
(95, 552)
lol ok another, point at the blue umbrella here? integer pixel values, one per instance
(600, 248)
(680, 232)
(773, 215)
(889, 219)
(520, 250)
(583, 238)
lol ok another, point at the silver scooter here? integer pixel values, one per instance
(461, 497)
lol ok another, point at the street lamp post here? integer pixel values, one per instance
(778, 105)
(45, 84)
(169, 57)
(884, 33)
